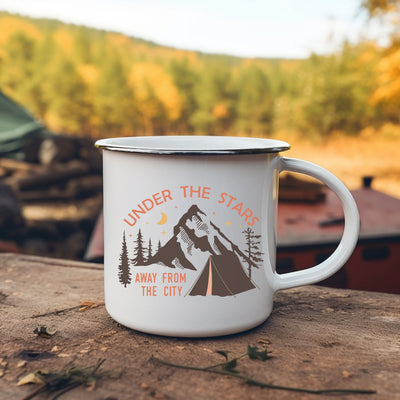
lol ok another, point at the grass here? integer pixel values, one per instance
(350, 158)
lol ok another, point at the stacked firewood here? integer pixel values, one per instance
(50, 200)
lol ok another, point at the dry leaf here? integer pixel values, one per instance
(85, 305)
(22, 364)
(347, 374)
(90, 386)
(33, 377)
(3, 366)
(263, 341)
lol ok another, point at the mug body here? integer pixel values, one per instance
(189, 239)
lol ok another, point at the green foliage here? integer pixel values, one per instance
(254, 104)
(336, 93)
(214, 94)
(228, 368)
(113, 102)
(184, 78)
(256, 354)
(81, 80)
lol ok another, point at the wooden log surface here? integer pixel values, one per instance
(82, 186)
(44, 178)
(320, 338)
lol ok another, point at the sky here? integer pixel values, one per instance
(252, 28)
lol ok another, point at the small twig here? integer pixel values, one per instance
(67, 389)
(55, 312)
(223, 363)
(34, 393)
(66, 380)
(98, 365)
(263, 384)
(85, 305)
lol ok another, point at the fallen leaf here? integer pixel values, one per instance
(33, 377)
(263, 341)
(255, 353)
(223, 353)
(3, 366)
(91, 385)
(22, 364)
(347, 374)
(85, 305)
(230, 365)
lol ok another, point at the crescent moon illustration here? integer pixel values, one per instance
(163, 219)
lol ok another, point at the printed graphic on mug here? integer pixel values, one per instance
(198, 258)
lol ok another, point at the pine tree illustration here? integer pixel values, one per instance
(159, 245)
(149, 251)
(139, 250)
(124, 271)
(253, 249)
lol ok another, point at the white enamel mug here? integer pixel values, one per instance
(190, 232)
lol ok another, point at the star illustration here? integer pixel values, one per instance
(227, 223)
(163, 232)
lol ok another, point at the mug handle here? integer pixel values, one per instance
(350, 234)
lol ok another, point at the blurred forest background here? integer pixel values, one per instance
(338, 110)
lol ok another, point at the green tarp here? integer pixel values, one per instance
(16, 126)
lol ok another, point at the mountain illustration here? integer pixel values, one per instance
(193, 235)
(198, 244)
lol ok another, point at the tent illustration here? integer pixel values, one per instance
(222, 275)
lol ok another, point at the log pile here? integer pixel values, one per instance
(50, 200)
